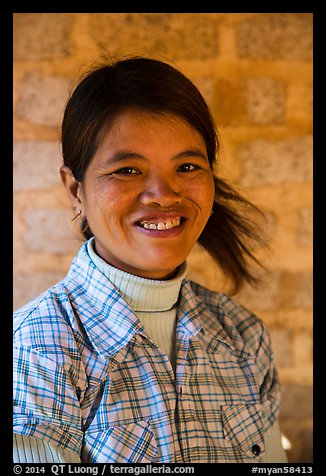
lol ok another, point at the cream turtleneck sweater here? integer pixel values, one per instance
(153, 301)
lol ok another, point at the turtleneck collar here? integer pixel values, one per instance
(142, 294)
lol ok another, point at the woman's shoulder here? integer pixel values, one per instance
(241, 324)
(49, 313)
(219, 301)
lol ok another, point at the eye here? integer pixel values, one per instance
(187, 168)
(127, 171)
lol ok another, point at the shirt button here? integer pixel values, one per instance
(256, 450)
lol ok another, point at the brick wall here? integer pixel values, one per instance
(255, 70)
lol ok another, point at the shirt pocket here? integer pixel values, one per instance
(130, 443)
(243, 429)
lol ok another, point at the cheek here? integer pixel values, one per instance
(203, 193)
(111, 204)
(103, 196)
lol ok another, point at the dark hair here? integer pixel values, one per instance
(155, 86)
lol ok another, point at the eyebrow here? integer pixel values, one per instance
(122, 155)
(191, 153)
(125, 155)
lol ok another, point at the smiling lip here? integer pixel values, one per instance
(161, 225)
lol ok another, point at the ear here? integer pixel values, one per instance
(72, 186)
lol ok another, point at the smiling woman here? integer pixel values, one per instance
(125, 360)
(150, 86)
(146, 207)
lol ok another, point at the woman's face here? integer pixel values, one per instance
(147, 193)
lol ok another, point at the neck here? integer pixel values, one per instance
(142, 294)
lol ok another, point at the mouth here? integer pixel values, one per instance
(167, 224)
(161, 225)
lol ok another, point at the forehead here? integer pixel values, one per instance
(143, 126)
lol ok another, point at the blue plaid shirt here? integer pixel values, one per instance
(89, 379)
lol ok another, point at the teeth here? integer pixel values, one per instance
(171, 223)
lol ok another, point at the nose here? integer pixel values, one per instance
(159, 190)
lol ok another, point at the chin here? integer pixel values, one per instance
(162, 271)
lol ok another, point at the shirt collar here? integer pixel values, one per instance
(109, 320)
(195, 316)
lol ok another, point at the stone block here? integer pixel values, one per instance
(41, 35)
(305, 230)
(300, 101)
(279, 290)
(304, 298)
(230, 103)
(193, 36)
(50, 230)
(42, 99)
(297, 290)
(276, 36)
(263, 298)
(173, 35)
(281, 345)
(297, 401)
(36, 164)
(302, 348)
(265, 101)
(274, 163)
(28, 286)
(206, 87)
